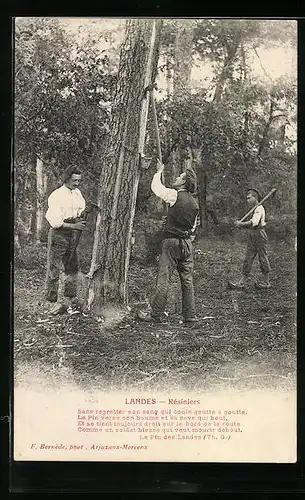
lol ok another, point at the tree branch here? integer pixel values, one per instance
(261, 65)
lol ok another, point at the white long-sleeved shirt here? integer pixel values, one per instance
(258, 217)
(169, 195)
(64, 203)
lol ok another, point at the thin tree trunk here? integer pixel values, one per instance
(41, 186)
(120, 169)
(245, 138)
(202, 198)
(202, 178)
(169, 76)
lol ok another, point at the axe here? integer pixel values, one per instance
(273, 190)
(90, 207)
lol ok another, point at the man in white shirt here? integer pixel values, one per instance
(257, 243)
(65, 206)
(177, 249)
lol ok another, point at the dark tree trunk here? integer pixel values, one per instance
(264, 140)
(227, 69)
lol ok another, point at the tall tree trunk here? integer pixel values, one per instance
(245, 136)
(120, 169)
(202, 178)
(202, 200)
(169, 76)
(204, 208)
(41, 187)
(182, 157)
(227, 68)
(183, 58)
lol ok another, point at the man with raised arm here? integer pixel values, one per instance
(65, 206)
(177, 248)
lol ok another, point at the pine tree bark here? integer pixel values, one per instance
(118, 185)
(182, 157)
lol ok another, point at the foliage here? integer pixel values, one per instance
(65, 76)
(63, 94)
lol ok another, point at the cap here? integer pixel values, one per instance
(255, 190)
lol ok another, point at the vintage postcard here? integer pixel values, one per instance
(155, 243)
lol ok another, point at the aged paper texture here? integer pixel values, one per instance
(102, 371)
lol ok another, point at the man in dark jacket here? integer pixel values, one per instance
(177, 248)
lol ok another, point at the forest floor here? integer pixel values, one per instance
(244, 339)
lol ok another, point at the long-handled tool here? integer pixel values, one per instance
(273, 190)
(150, 89)
(155, 119)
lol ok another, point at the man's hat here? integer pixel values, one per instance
(72, 169)
(255, 191)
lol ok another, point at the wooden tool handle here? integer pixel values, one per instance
(153, 106)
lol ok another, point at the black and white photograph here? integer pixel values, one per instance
(155, 239)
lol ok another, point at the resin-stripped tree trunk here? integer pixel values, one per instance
(41, 188)
(120, 169)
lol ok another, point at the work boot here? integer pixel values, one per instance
(239, 285)
(149, 318)
(264, 284)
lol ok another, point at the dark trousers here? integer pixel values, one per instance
(59, 249)
(257, 245)
(176, 254)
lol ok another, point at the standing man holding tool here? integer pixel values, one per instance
(257, 241)
(65, 207)
(177, 248)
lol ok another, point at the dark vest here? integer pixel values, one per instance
(181, 216)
